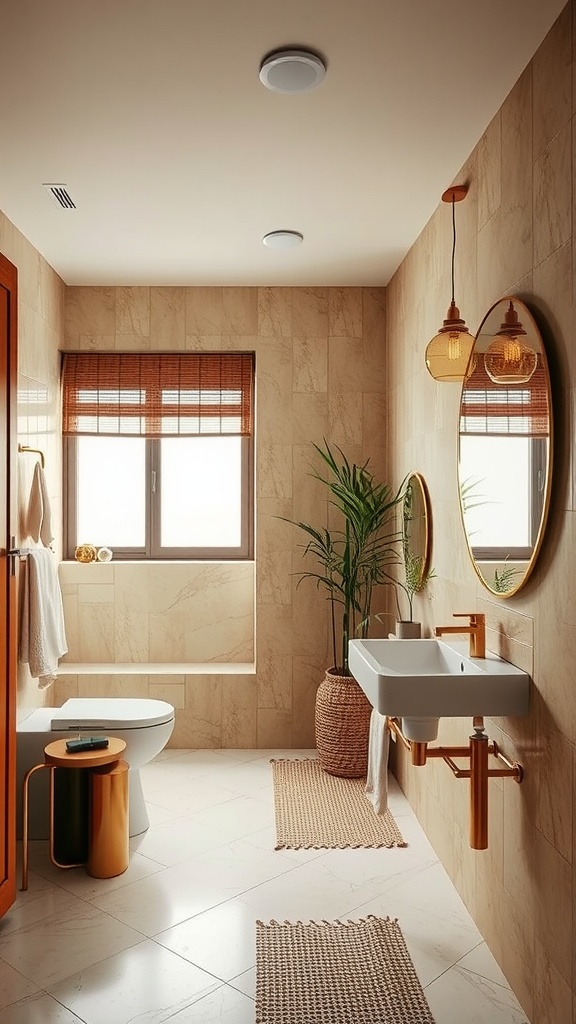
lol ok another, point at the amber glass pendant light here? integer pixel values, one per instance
(447, 355)
(508, 359)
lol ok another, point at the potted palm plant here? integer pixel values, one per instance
(351, 562)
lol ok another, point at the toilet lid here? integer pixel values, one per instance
(111, 713)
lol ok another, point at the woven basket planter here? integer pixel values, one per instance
(342, 726)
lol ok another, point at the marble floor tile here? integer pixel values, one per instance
(173, 938)
(39, 1009)
(77, 936)
(146, 983)
(485, 1001)
(223, 1006)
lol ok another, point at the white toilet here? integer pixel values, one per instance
(145, 725)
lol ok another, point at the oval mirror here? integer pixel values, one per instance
(416, 530)
(505, 447)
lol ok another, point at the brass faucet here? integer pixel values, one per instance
(476, 631)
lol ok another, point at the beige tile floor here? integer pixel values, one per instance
(172, 939)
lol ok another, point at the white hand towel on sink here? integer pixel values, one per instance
(377, 777)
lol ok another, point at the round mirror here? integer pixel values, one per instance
(505, 447)
(416, 531)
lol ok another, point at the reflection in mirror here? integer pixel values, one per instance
(505, 452)
(416, 530)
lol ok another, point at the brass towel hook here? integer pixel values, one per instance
(26, 448)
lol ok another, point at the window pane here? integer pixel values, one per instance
(201, 492)
(497, 471)
(111, 491)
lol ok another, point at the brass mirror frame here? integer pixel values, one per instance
(416, 482)
(533, 330)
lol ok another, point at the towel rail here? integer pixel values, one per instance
(27, 448)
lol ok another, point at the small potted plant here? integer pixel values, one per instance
(415, 579)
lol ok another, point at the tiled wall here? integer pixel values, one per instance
(319, 373)
(159, 612)
(40, 329)
(515, 235)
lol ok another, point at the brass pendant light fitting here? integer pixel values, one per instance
(448, 354)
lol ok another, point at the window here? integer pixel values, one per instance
(158, 453)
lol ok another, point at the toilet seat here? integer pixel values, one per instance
(111, 713)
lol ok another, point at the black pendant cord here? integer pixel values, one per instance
(453, 243)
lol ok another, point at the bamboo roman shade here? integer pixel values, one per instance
(521, 409)
(157, 394)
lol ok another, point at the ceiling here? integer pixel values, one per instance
(152, 114)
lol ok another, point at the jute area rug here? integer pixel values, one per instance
(315, 810)
(338, 972)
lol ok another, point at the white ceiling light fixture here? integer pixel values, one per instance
(292, 71)
(283, 239)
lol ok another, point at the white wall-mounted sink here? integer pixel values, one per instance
(421, 681)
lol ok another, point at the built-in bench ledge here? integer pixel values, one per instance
(155, 668)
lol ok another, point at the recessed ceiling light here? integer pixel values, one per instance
(292, 71)
(283, 239)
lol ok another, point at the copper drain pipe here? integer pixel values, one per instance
(478, 750)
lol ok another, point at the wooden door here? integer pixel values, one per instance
(8, 583)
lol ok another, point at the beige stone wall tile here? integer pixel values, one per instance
(95, 633)
(168, 318)
(310, 619)
(64, 689)
(106, 685)
(274, 633)
(89, 312)
(345, 418)
(309, 672)
(274, 679)
(310, 312)
(273, 471)
(504, 253)
(489, 155)
(133, 312)
(553, 284)
(517, 146)
(554, 784)
(239, 711)
(239, 311)
(310, 417)
(202, 612)
(552, 78)
(374, 419)
(552, 995)
(275, 312)
(172, 689)
(274, 391)
(204, 311)
(345, 312)
(345, 366)
(553, 906)
(274, 729)
(553, 196)
(310, 365)
(273, 579)
(200, 724)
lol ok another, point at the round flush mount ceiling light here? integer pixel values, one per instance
(283, 239)
(292, 71)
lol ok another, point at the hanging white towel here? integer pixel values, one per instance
(377, 776)
(39, 516)
(42, 632)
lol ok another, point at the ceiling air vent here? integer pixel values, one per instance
(60, 195)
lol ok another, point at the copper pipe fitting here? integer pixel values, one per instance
(479, 791)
